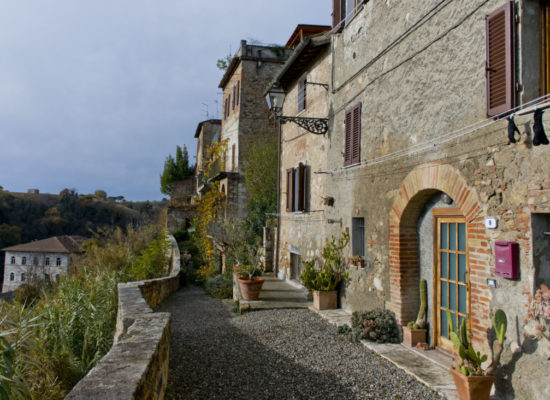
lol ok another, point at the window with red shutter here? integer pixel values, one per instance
(352, 139)
(499, 61)
(302, 95)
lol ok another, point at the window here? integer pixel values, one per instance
(47, 261)
(344, 10)
(352, 145)
(358, 237)
(12, 260)
(236, 94)
(24, 260)
(233, 160)
(302, 95)
(22, 277)
(35, 261)
(499, 60)
(296, 188)
(12, 276)
(58, 261)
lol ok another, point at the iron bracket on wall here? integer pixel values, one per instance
(318, 126)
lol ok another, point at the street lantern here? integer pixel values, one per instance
(275, 97)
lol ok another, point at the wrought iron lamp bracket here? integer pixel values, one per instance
(317, 126)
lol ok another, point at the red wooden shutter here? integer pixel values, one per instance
(499, 61)
(347, 139)
(289, 186)
(356, 135)
(337, 11)
(301, 187)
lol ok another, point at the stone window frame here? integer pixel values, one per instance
(12, 260)
(23, 260)
(358, 237)
(47, 261)
(12, 276)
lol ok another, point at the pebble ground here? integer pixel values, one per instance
(272, 354)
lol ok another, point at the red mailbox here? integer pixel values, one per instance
(507, 259)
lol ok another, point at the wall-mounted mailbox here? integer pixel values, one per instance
(507, 259)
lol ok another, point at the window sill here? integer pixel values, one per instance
(352, 165)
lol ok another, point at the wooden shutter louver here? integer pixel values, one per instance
(289, 187)
(347, 139)
(301, 171)
(499, 61)
(356, 135)
(336, 12)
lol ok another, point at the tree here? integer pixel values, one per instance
(223, 63)
(260, 177)
(100, 194)
(175, 170)
(9, 235)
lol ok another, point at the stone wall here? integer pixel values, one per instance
(136, 367)
(302, 234)
(418, 95)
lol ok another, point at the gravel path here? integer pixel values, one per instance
(272, 354)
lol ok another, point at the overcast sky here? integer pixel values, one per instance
(94, 94)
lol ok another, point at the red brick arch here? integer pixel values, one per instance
(419, 185)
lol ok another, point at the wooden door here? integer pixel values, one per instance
(451, 273)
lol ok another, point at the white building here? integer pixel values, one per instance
(43, 259)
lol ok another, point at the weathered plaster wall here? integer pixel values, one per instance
(429, 85)
(303, 233)
(136, 367)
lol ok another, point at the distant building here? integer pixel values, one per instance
(44, 259)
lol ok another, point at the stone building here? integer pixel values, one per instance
(422, 170)
(207, 133)
(302, 200)
(41, 259)
(246, 120)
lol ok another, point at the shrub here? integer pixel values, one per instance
(376, 326)
(49, 344)
(204, 273)
(219, 287)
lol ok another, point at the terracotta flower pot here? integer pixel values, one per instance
(472, 387)
(250, 289)
(413, 336)
(325, 300)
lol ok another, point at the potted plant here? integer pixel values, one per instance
(471, 380)
(250, 282)
(415, 331)
(324, 280)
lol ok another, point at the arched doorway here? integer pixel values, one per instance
(459, 268)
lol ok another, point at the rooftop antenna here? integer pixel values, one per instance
(206, 111)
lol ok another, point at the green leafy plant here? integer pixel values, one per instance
(343, 329)
(332, 269)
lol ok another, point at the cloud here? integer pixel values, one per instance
(95, 94)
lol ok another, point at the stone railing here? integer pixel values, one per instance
(136, 367)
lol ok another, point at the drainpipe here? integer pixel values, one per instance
(278, 197)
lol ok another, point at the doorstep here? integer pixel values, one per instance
(431, 367)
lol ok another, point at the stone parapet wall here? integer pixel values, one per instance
(136, 367)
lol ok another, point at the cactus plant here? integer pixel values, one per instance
(470, 360)
(421, 318)
(500, 324)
